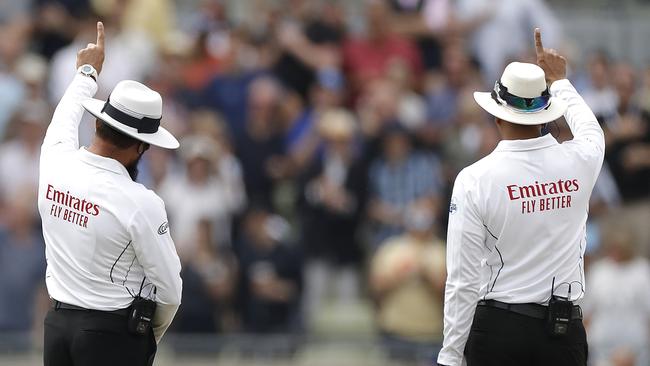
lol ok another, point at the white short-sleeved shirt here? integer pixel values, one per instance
(106, 236)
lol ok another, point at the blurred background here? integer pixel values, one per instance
(320, 142)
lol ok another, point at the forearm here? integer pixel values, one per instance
(581, 120)
(460, 305)
(163, 319)
(64, 127)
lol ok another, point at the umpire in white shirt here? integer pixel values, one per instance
(112, 270)
(516, 235)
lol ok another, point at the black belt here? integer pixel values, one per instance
(532, 310)
(61, 305)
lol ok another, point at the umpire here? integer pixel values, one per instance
(112, 270)
(516, 235)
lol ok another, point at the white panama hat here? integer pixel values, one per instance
(135, 110)
(521, 96)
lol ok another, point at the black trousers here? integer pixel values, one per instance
(94, 338)
(503, 338)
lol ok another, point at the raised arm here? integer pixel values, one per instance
(63, 132)
(588, 136)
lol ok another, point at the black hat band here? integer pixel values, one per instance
(143, 125)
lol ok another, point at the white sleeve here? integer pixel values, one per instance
(155, 250)
(465, 239)
(588, 137)
(63, 131)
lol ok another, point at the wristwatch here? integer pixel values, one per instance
(88, 70)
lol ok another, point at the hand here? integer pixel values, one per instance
(549, 60)
(93, 54)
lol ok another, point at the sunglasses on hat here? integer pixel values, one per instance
(501, 95)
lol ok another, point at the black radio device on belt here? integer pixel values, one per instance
(559, 313)
(141, 314)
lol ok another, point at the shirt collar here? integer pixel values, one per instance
(102, 162)
(527, 144)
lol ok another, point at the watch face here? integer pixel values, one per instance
(87, 69)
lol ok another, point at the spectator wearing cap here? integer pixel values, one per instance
(407, 278)
(331, 204)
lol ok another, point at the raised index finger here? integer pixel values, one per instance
(539, 49)
(100, 34)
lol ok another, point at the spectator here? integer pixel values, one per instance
(599, 94)
(22, 270)
(260, 148)
(270, 279)
(628, 139)
(368, 58)
(444, 91)
(209, 124)
(302, 139)
(407, 277)
(167, 78)
(155, 18)
(426, 22)
(19, 157)
(228, 91)
(200, 193)
(332, 201)
(12, 89)
(378, 107)
(617, 303)
(56, 23)
(399, 178)
(470, 137)
(411, 106)
(309, 50)
(209, 280)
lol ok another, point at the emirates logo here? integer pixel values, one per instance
(162, 230)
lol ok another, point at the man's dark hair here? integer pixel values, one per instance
(114, 137)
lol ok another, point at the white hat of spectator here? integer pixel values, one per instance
(521, 96)
(336, 124)
(198, 146)
(135, 110)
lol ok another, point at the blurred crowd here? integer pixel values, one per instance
(319, 146)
